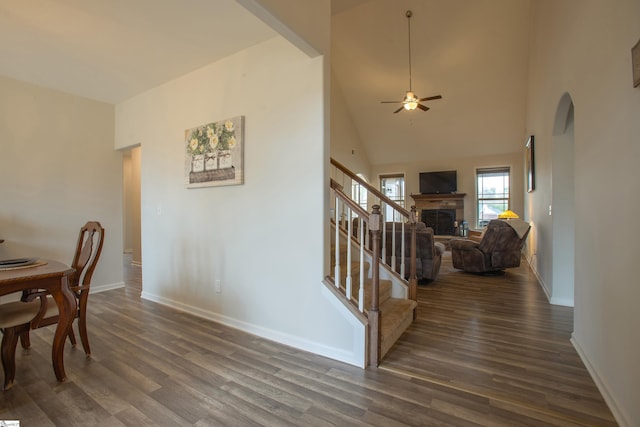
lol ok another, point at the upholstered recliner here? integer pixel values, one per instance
(428, 252)
(499, 248)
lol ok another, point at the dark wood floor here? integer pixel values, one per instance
(484, 351)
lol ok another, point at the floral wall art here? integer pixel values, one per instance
(214, 154)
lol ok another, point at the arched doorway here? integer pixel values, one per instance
(563, 202)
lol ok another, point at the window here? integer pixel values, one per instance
(359, 193)
(392, 186)
(493, 193)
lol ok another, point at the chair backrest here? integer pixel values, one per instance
(424, 240)
(500, 236)
(87, 253)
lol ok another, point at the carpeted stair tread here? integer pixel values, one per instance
(396, 316)
(385, 292)
(355, 271)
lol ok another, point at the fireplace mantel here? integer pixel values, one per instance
(440, 201)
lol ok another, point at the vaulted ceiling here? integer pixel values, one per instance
(110, 50)
(472, 52)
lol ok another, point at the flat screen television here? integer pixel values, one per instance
(444, 182)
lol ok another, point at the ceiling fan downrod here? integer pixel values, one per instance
(411, 101)
(409, 14)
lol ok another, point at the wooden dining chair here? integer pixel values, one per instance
(38, 309)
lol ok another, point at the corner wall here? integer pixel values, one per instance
(346, 145)
(264, 240)
(58, 170)
(583, 48)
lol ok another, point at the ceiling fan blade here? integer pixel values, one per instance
(390, 102)
(399, 109)
(422, 107)
(430, 98)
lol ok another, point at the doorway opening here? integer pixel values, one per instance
(563, 202)
(131, 214)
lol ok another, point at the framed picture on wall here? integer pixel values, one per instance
(530, 167)
(214, 154)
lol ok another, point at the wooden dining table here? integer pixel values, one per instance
(54, 277)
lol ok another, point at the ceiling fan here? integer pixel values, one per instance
(411, 100)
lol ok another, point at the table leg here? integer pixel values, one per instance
(67, 307)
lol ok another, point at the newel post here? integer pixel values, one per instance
(413, 278)
(374, 310)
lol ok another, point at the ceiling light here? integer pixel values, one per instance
(411, 101)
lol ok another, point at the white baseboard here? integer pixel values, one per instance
(107, 287)
(621, 418)
(543, 285)
(279, 337)
(561, 301)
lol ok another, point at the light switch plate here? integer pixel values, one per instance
(635, 59)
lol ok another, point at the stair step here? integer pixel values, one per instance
(355, 271)
(385, 292)
(396, 316)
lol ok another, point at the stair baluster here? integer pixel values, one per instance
(336, 273)
(348, 283)
(370, 237)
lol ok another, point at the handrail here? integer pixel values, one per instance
(348, 200)
(373, 190)
(411, 218)
(346, 212)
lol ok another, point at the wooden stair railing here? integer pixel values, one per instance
(373, 222)
(407, 218)
(358, 230)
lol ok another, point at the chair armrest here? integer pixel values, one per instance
(463, 244)
(44, 304)
(29, 295)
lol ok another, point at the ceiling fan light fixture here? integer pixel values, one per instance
(410, 101)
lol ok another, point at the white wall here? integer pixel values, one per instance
(466, 167)
(265, 239)
(58, 170)
(583, 48)
(346, 145)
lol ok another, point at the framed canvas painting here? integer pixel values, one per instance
(214, 154)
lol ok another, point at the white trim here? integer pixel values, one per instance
(352, 358)
(552, 300)
(540, 281)
(94, 289)
(621, 418)
(280, 27)
(561, 301)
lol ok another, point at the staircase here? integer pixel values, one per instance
(362, 278)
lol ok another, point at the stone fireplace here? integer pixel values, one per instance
(440, 211)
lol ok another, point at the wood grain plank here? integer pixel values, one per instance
(483, 351)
